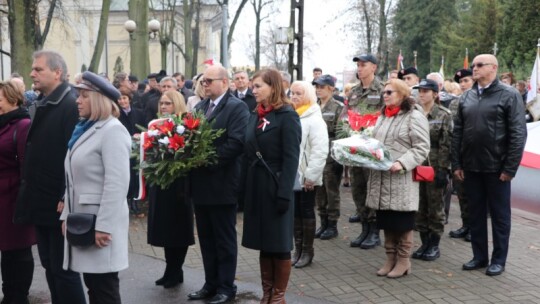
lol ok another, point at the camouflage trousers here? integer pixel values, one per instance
(359, 180)
(463, 202)
(430, 216)
(327, 196)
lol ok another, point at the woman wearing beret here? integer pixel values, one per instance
(430, 217)
(15, 240)
(404, 130)
(272, 150)
(97, 182)
(170, 214)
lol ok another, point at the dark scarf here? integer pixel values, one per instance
(18, 113)
(79, 130)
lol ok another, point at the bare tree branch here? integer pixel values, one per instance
(43, 36)
(235, 20)
(5, 53)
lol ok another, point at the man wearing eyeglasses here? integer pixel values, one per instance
(489, 138)
(364, 98)
(214, 189)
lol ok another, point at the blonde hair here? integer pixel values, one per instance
(199, 88)
(178, 102)
(309, 96)
(347, 88)
(101, 107)
(13, 95)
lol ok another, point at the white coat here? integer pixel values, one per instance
(97, 181)
(314, 145)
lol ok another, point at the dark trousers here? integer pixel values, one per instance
(65, 285)
(103, 288)
(217, 238)
(17, 273)
(486, 192)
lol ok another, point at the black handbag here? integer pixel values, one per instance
(81, 229)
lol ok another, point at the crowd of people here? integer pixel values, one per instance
(68, 182)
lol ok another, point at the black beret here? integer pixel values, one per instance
(162, 74)
(428, 84)
(462, 73)
(407, 71)
(366, 58)
(325, 80)
(133, 78)
(96, 83)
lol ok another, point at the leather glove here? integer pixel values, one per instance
(282, 206)
(441, 179)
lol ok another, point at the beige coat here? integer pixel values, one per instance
(406, 135)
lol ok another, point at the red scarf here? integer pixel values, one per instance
(391, 111)
(261, 111)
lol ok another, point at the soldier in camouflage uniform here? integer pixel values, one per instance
(327, 196)
(464, 78)
(364, 98)
(430, 216)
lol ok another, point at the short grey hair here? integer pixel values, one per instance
(171, 79)
(436, 77)
(55, 61)
(286, 76)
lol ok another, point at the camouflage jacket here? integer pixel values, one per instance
(440, 133)
(366, 101)
(331, 113)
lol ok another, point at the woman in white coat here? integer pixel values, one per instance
(313, 153)
(97, 182)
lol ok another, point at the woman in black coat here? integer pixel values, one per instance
(275, 132)
(170, 214)
(130, 117)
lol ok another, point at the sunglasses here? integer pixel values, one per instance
(208, 81)
(480, 65)
(387, 92)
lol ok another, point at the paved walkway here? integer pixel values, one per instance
(340, 274)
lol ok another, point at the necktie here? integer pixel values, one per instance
(480, 90)
(241, 95)
(210, 109)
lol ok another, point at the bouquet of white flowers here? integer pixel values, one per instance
(361, 151)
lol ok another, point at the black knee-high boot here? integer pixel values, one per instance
(174, 257)
(17, 274)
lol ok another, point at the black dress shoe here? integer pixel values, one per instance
(354, 218)
(494, 269)
(459, 233)
(221, 298)
(201, 294)
(468, 237)
(474, 264)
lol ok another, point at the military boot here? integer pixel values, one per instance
(432, 252)
(330, 232)
(424, 236)
(372, 239)
(322, 228)
(365, 230)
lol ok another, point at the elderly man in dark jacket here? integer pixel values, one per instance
(40, 201)
(489, 138)
(214, 189)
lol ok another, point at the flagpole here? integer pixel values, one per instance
(466, 63)
(415, 54)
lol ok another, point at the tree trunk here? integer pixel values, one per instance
(368, 26)
(196, 42)
(21, 16)
(188, 42)
(382, 50)
(138, 44)
(102, 35)
(257, 41)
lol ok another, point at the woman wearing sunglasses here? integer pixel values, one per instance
(404, 130)
(170, 215)
(430, 217)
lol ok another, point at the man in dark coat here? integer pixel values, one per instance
(214, 189)
(489, 137)
(243, 92)
(40, 201)
(150, 99)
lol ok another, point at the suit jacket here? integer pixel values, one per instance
(97, 181)
(249, 99)
(218, 184)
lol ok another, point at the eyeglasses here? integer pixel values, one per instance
(388, 92)
(208, 81)
(165, 103)
(480, 65)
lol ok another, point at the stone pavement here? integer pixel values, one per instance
(340, 274)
